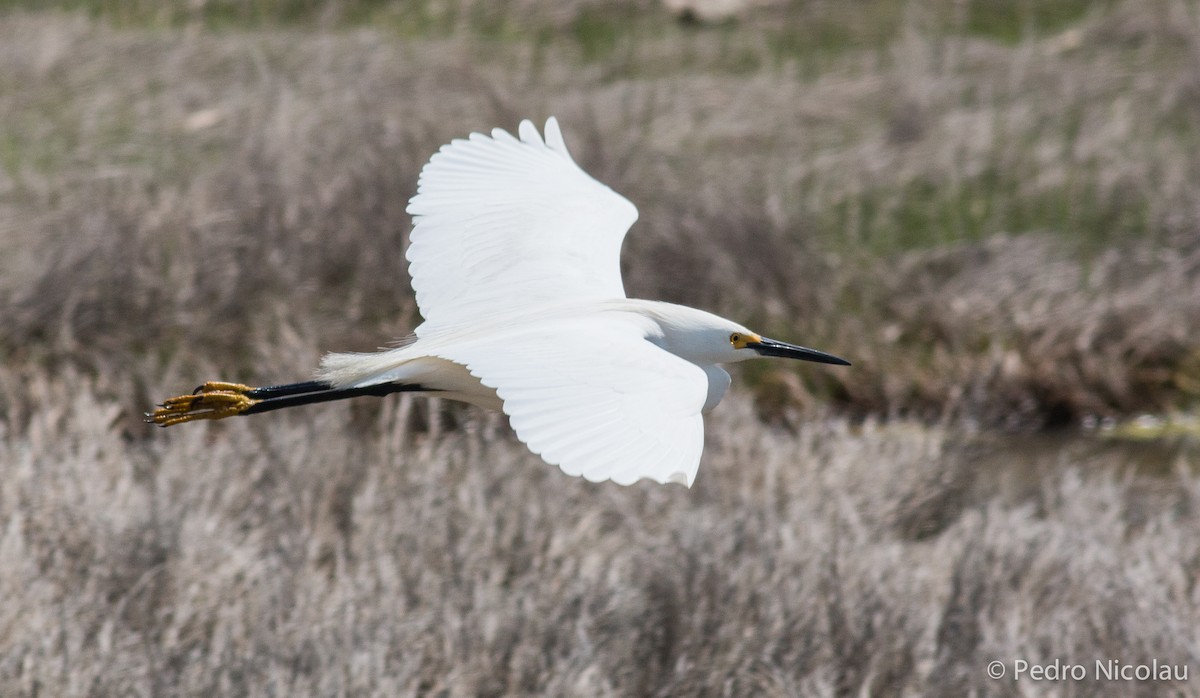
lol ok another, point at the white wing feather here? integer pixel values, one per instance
(595, 398)
(502, 223)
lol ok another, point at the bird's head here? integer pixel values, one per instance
(704, 338)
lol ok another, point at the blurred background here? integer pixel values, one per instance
(989, 206)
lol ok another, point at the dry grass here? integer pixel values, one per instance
(999, 234)
(334, 551)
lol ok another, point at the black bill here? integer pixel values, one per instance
(770, 347)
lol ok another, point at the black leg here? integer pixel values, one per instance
(273, 391)
(218, 399)
(323, 393)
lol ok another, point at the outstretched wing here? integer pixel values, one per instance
(502, 223)
(595, 398)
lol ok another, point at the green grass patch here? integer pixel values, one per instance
(926, 212)
(795, 31)
(1012, 21)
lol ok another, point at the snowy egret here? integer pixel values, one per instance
(515, 261)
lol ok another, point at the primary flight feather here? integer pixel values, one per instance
(515, 262)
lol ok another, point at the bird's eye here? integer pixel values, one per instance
(735, 339)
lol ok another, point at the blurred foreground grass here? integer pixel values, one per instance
(990, 207)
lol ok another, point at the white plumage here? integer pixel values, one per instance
(515, 262)
(501, 223)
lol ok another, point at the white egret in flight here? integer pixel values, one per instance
(515, 261)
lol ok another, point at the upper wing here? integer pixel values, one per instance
(593, 397)
(501, 223)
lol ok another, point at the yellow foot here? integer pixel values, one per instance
(213, 400)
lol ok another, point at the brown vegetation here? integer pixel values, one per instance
(999, 233)
(331, 552)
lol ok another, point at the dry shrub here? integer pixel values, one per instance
(245, 194)
(314, 553)
(1020, 332)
